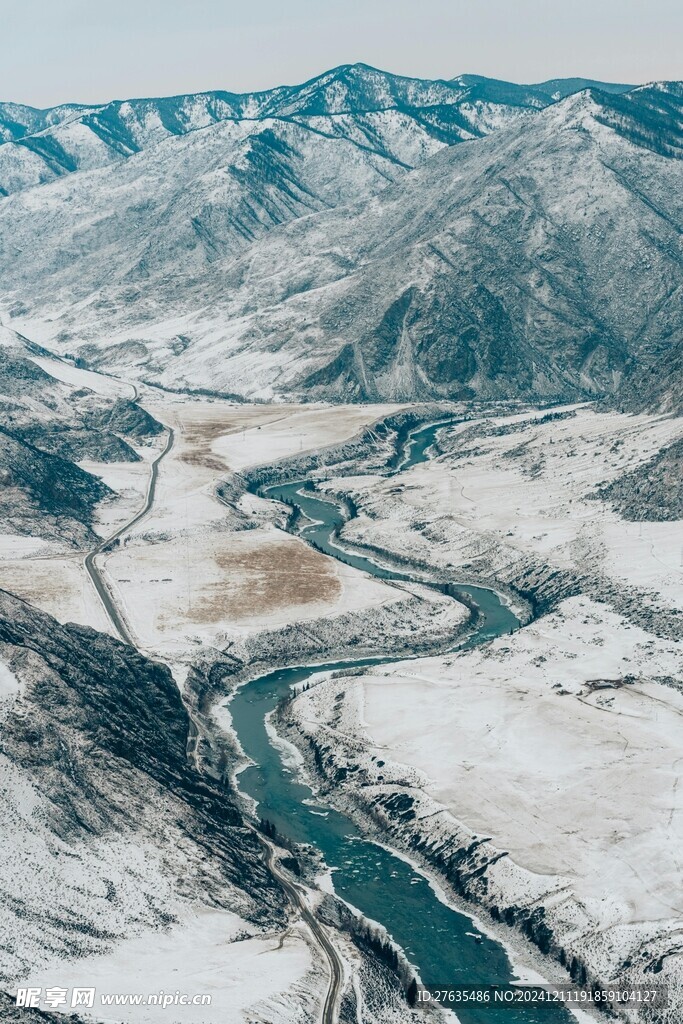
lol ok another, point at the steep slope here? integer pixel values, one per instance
(43, 492)
(543, 260)
(18, 120)
(548, 258)
(354, 88)
(42, 145)
(178, 207)
(654, 382)
(107, 829)
(649, 116)
(652, 491)
(269, 257)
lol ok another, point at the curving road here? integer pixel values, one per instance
(295, 895)
(298, 900)
(90, 564)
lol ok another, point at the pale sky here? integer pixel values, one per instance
(88, 51)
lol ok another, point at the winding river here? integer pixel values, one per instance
(445, 946)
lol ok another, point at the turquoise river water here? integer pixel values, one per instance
(445, 946)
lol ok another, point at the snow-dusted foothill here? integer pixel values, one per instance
(109, 835)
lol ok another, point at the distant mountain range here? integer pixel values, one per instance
(44, 144)
(361, 236)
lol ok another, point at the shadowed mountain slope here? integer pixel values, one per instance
(297, 253)
(107, 829)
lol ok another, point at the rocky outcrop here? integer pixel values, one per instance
(123, 417)
(652, 491)
(108, 827)
(386, 799)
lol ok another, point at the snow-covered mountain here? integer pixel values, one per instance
(45, 144)
(104, 816)
(332, 240)
(46, 428)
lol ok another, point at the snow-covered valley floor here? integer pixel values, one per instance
(557, 746)
(550, 757)
(196, 575)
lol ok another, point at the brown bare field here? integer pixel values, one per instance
(262, 580)
(197, 437)
(199, 434)
(201, 424)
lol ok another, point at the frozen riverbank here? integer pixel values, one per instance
(539, 776)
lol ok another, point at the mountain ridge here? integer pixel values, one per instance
(62, 139)
(539, 258)
(576, 84)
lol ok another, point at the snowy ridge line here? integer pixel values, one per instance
(331, 285)
(75, 136)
